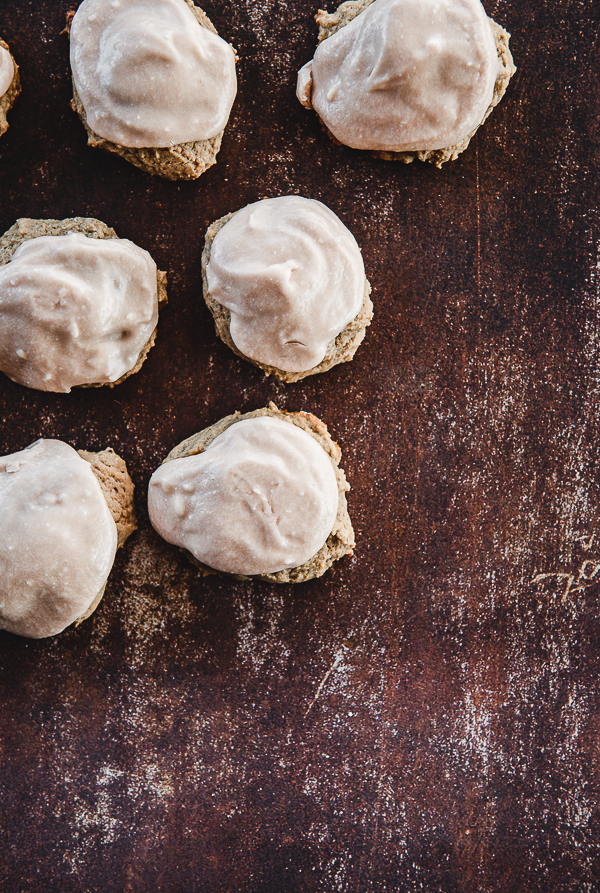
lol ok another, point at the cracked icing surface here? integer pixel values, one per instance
(58, 539)
(148, 74)
(291, 275)
(262, 497)
(404, 75)
(75, 310)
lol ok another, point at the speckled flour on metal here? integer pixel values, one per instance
(427, 715)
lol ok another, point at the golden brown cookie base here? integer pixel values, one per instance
(340, 350)
(184, 161)
(29, 228)
(329, 23)
(7, 99)
(117, 488)
(340, 541)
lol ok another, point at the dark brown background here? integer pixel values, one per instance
(427, 716)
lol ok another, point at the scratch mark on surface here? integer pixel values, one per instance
(336, 662)
(381, 784)
(586, 575)
(586, 542)
(557, 575)
(436, 273)
(478, 219)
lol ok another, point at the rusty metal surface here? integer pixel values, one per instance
(426, 716)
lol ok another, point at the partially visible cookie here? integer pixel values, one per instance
(78, 305)
(167, 86)
(10, 84)
(285, 282)
(406, 79)
(245, 493)
(117, 488)
(62, 518)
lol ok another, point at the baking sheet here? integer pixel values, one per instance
(426, 716)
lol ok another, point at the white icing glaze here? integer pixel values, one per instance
(291, 275)
(148, 74)
(404, 74)
(75, 310)
(7, 70)
(57, 539)
(262, 497)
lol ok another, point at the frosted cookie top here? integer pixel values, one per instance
(262, 497)
(292, 277)
(404, 75)
(7, 70)
(148, 74)
(57, 539)
(75, 310)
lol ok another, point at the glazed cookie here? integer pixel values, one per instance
(256, 495)
(152, 82)
(285, 282)
(406, 79)
(78, 305)
(63, 515)
(10, 84)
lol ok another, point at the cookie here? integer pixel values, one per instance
(285, 283)
(259, 495)
(152, 82)
(406, 79)
(63, 515)
(78, 305)
(10, 84)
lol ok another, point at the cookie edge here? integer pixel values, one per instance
(117, 488)
(7, 100)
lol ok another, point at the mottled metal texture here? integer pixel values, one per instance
(426, 716)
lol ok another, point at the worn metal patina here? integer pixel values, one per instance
(426, 715)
